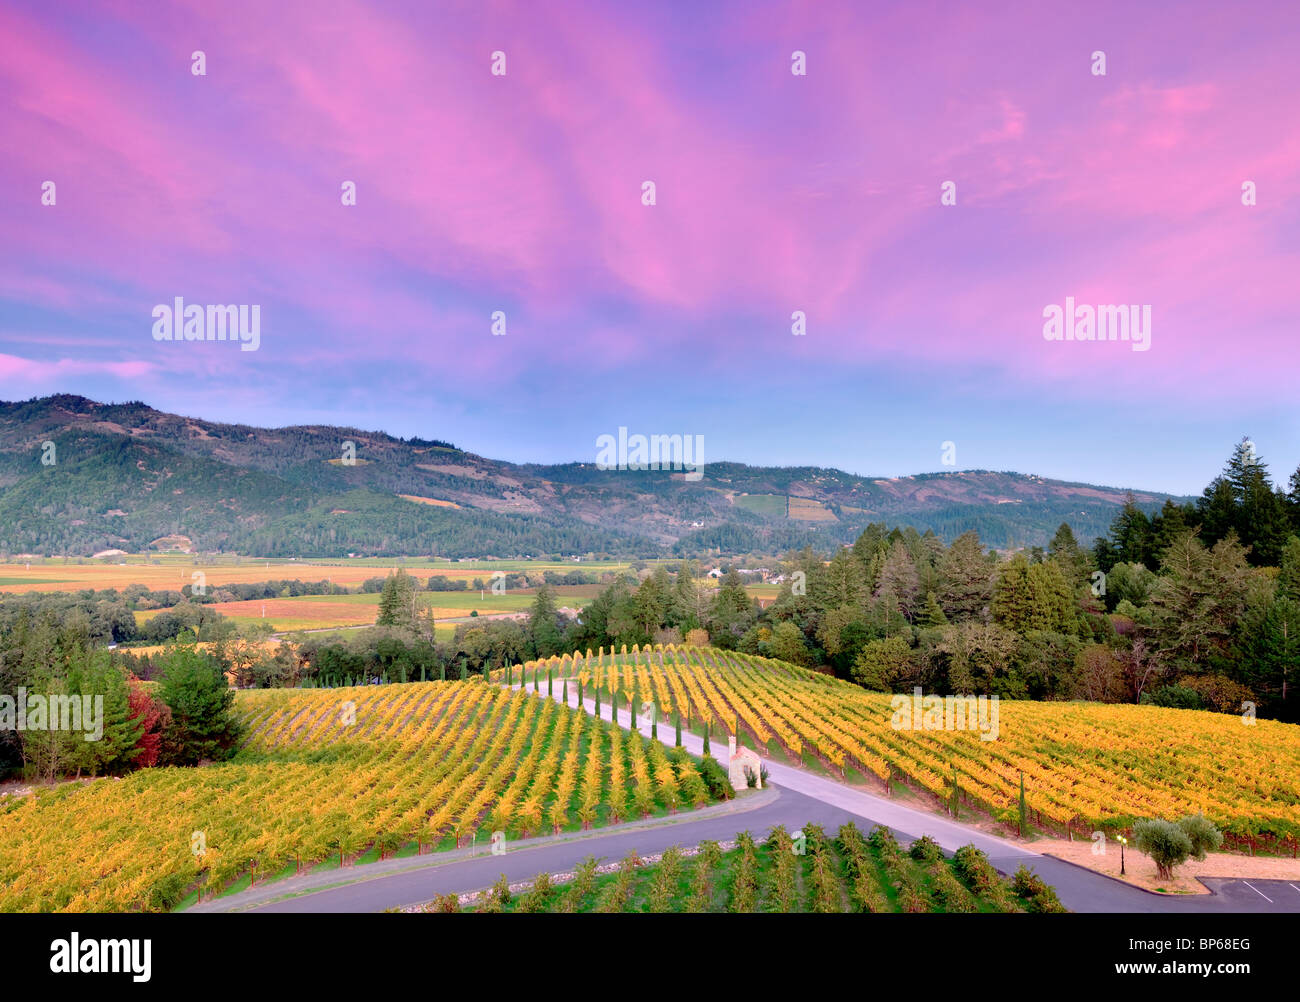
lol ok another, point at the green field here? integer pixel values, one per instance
(770, 505)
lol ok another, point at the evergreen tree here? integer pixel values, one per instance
(398, 604)
(542, 624)
(931, 613)
(203, 724)
(899, 578)
(1261, 516)
(1293, 501)
(843, 583)
(966, 581)
(1288, 578)
(731, 610)
(1217, 511)
(1273, 668)
(1197, 602)
(1064, 549)
(1171, 523)
(1014, 602)
(1130, 532)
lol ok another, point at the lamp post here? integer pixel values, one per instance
(1122, 843)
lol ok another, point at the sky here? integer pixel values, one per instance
(523, 193)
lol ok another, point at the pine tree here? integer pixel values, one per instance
(398, 604)
(1288, 577)
(1013, 596)
(965, 579)
(1131, 532)
(931, 613)
(542, 628)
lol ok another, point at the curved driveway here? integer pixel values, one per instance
(800, 797)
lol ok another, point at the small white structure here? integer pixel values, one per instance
(738, 759)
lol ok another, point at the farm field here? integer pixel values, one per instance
(1086, 766)
(846, 871)
(329, 776)
(810, 510)
(174, 570)
(312, 612)
(771, 505)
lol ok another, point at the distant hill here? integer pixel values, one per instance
(130, 477)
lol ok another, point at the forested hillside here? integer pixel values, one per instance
(77, 477)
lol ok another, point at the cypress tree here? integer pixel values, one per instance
(442, 673)
(1024, 807)
(613, 705)
(596, 693)
(677, 722)
(564, 695)
(508, 672)
(550, 687)
(707, 728)
(580, 694)
(422, 678)
(463, 672)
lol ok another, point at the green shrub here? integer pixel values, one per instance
(1034, 892)
(715, 778)
(1165, 842)
(1202, 834)
(883, 841)
(926, 850)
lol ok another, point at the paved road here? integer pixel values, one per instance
(801, 797)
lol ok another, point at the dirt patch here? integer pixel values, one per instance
(1141, 872)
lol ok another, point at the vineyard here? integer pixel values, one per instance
(1086, 766)
(328, 776)
(803, 871)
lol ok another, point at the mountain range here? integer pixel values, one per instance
(79, 477)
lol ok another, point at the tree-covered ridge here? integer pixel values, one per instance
(125, 475)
